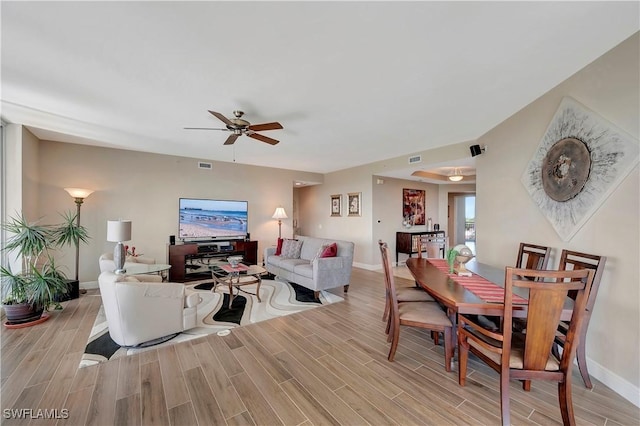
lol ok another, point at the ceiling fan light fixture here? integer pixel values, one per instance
(456, 176)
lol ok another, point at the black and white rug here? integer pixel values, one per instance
(279, 298)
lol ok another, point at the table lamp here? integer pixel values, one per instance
(280, 214)
(117, 232)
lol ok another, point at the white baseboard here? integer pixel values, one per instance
(367, 266)
(377, 267)
(87, 285)
(619, 385)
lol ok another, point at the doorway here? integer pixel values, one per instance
(462, 220)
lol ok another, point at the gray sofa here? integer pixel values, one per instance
(316, 275)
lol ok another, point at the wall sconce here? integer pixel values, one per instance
(280, 214)
(477, 150)
(79, 194)
(117, 232)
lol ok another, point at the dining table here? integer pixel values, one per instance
(480, 294)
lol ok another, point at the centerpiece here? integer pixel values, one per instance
(457, 257)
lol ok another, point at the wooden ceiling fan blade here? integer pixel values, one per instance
(263, 138)
(265, 126)
(231, 139)
(221, 117)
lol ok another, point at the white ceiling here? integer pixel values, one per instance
(351, 82)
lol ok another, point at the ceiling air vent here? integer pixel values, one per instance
(415, 159)
(206, 166)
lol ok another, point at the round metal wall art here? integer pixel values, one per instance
(580, 160)
(565, 169)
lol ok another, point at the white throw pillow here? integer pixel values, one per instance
(291, 249)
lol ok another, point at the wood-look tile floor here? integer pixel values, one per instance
(324, 366)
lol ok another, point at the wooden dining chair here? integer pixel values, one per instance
(527, 356)
(405, 294)
(433, 245)
(530, 256)
(427, 315)
(533, 256)
(573, 260)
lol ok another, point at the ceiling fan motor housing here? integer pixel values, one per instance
(238, 124)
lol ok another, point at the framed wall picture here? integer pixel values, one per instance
(413, 206)
(354, 199)
(336, 205)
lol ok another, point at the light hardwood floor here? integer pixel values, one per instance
(324, 366)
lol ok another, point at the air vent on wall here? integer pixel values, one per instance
(206, 166)
(415, 159)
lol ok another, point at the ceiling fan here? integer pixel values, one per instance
(241, 127)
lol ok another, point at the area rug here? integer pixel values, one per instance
(279, 298)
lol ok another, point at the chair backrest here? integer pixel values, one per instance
(434, 245)
(385, 265)
(388, 277)
(548, 292)
(533, 256)
(573, 260)
(106, 262)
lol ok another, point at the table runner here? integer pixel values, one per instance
(239, 268)
(480, 286)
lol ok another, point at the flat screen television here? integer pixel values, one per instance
(201, 219)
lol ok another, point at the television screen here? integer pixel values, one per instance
(209, 219)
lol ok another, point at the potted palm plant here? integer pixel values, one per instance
(41, 282)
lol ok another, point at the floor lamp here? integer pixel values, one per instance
(280, 214)
(79, 194)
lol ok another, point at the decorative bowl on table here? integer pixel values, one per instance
(464, 255)
(234, 261)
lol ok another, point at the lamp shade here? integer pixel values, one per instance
(79, 192)
(118, 230)
(280, 213)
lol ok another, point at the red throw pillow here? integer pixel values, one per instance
(330, 251)
(279, 247)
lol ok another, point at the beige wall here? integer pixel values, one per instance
(145, 188)
(387, 212)
(315, 213)
(376, 203)
(506, 214)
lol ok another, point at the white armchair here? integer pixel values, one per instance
(138, 312)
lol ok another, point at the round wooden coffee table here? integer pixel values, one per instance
(237, 277)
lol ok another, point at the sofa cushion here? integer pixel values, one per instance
(291, 249)
(279, 247)
(304, 269)
(326, 250)
(310, 247)
(330, 250)
(291, 264)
